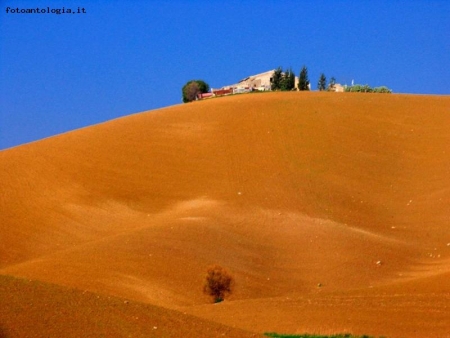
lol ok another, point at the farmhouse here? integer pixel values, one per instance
(337, 87)
(260, 82)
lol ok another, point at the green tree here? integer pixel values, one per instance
(303, 81)
(277, 78)
(291, 79)
(288, 80)
(322, 84)
(192, 88)
(332, 83)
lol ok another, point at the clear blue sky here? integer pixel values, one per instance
(62, 72)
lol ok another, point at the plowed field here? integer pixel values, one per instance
(331, 210)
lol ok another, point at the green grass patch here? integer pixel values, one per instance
(305, 335)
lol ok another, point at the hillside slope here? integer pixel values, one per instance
(287, 190)
(36, 309)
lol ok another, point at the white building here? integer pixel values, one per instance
(262, 82)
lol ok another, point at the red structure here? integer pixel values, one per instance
(204, 95)
(220, 92)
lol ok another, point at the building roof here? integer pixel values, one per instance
(246, 81)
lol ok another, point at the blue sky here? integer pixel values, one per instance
(63, 72)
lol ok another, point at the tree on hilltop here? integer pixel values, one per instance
(283, 80)
(288, 80)
(322, 84)
(303, 81)
(192, 88)
(291, 79)
(332, 83)
(277, 78)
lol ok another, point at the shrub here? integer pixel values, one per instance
(218, 282)
(382, 89)
(343, 335)
(367, 89)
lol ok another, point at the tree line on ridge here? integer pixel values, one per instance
(284, 81)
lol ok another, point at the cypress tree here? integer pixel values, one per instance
(290, 79)
(303, 81)
(322, 84)
(277, 79)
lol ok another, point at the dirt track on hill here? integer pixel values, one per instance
(289, 191)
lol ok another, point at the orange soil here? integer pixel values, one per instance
(36, 309)
(286, 190)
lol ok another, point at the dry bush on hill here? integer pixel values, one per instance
(218, 282)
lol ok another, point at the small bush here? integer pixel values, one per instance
(218, 283)
(382, 89)
(367, 89)
(305, 335)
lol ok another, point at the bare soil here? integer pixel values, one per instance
(331, 210)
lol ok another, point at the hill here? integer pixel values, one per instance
(36, 309)
(289, 191)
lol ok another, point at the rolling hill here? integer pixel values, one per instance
(331, 210)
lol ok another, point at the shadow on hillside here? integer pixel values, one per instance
(3, 333)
